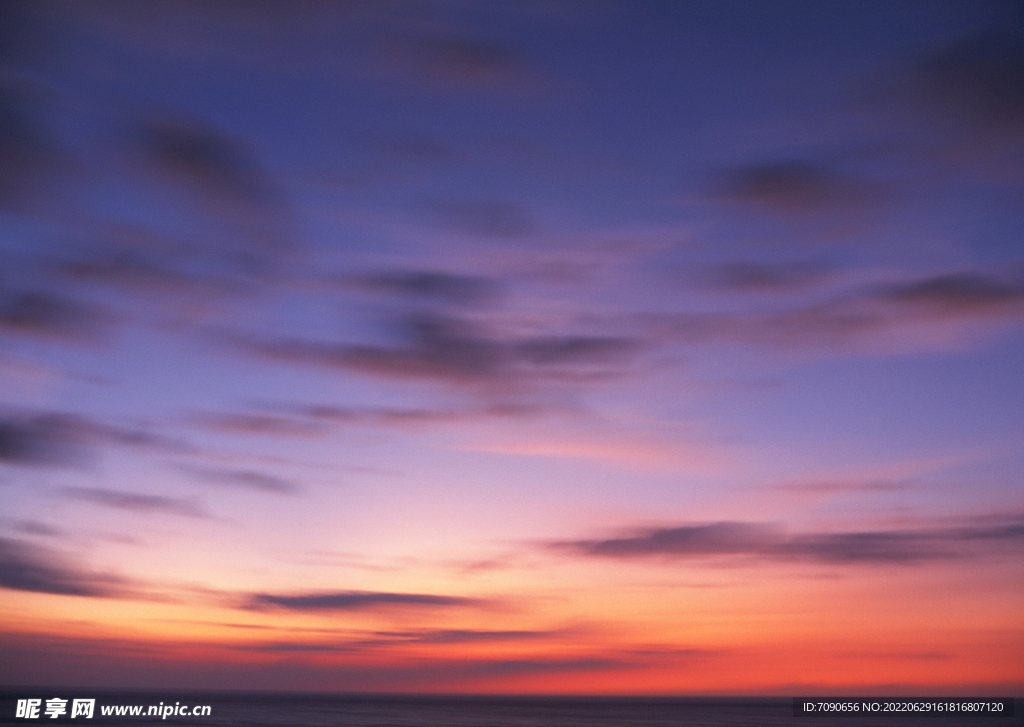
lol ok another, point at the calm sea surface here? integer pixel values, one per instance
(318, 710)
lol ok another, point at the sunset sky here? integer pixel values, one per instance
(537, 346)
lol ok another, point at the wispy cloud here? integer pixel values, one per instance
(223, 175)
(764, 277)
(827, 487)
(454, 351)
(46, 314)
(34, 527)
(352, 601)
(488, 218)
(25, 567)
(926, 312)
(430, 285)
(28, 153)
(245, 479)
(39, 440)
(383, 639)
(463, 636)
(771, 542)
(136, 502)
(457, 62)
(974, 81)
(623, 449)
(260, 424)
(796, 187)
(58, 438)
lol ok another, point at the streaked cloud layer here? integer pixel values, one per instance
(413, 346)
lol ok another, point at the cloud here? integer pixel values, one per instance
(958, 294)
(929, 311)
(25, 153)
(46, 314)
(393, 417)
(690, 540)
(576, 349)
(629, 450)
(58, 438)
(486, 218)
(464, 636)
(25, 567)
(840, 486)
(454, 351)
(758, 277)
(203, 157)
(352, 601)
(262, 424)
(456, 59)
(224, 179)
(294, 646)
(770, 542)
(400, 638)
(442, 287)
(977, 81)
(540, 665)
(137, 273)
(33, 527)
(246, 479)
(386, 417)
(793, 186)
(43, 439)
(135, 502)
(413, 148)
(16, 31)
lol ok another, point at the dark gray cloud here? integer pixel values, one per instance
(576, 349)
(463, 636)
(294, 646)
(25, 567)
(857, 317)
(745, 276)
(770, 542)
(454, 351)
(431, 285)
(352, 601)
(794, 186)
(486, 218)
(456, 59)
(245, 479)
(836, 487)
(136, 502)
(393, 417)
(46, 314)
(141, 274)
(957, 293)
(263, 424)
(33, 527)
(385, 417)
(398, 638)
(724, 538)
(18, 31)
(977, 80)
(203, 157)
(27, 153)
(413, 148)
(225, 182)
(43, 439)
(58, 438)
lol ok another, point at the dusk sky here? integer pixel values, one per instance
(537, 346)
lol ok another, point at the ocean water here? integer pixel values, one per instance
(323, 710)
